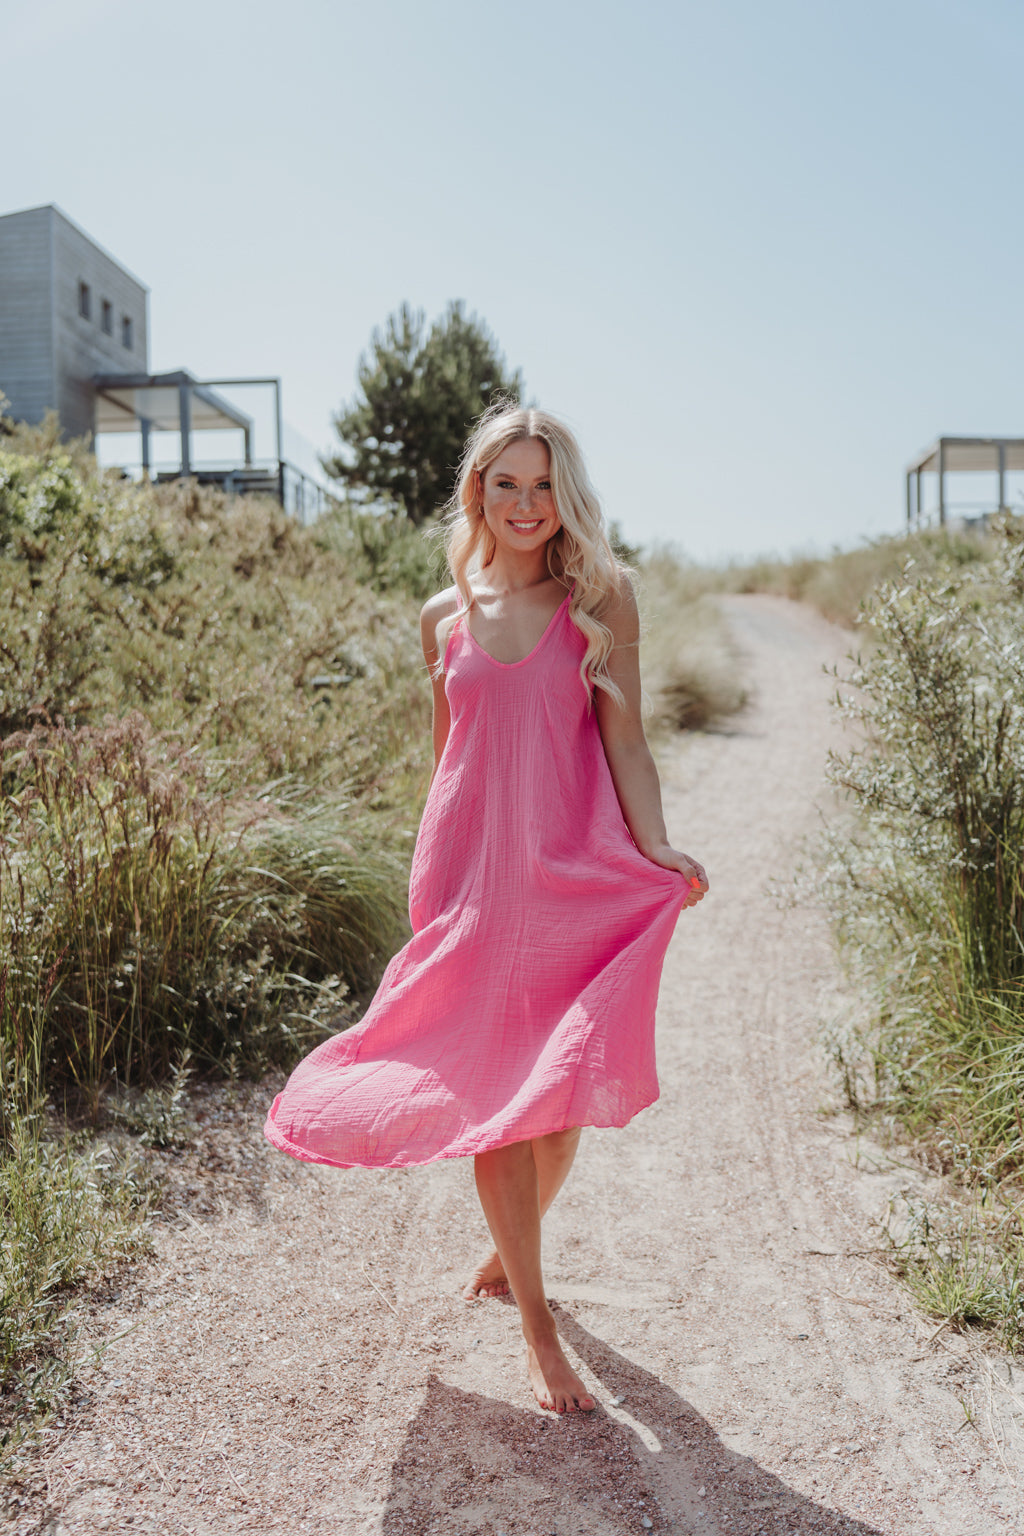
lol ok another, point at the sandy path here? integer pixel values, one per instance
(300, 1361)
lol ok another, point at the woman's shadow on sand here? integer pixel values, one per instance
(471, 1464)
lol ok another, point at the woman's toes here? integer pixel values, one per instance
(486, 1281)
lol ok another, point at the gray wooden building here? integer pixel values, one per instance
(68, 311)
(74, 338)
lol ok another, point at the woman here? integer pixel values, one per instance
(543, 891)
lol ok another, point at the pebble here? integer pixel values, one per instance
(620, 1397)
(647, 1523)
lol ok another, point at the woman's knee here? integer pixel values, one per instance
(556, 1140)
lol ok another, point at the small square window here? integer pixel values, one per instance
(85, 301)
(107, 316)
(126, 331)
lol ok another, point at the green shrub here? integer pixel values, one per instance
(68, 1216)
(940, 776)
(37, 497)
(962, 1262)
(384, 549)
(214, 739)
(927, 881)
(224, 620)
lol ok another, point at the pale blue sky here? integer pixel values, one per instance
(758, 255)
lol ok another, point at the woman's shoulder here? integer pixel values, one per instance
(441, 604)
(437, 608)
(617, 606)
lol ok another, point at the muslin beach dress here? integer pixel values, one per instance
(524, 1002)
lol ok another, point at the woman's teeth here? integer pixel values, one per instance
(526, 527)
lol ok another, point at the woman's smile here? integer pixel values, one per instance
(517, 499)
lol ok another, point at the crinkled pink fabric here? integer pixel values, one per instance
(524, 1003)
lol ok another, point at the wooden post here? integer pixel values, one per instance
(278, 431)
(145, 427)
(942, 482)
(185, 426)
(1002, 476)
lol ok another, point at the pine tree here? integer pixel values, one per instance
(419, 394)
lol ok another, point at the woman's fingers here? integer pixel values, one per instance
(696, 874)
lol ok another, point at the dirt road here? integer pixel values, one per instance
(300, 1359)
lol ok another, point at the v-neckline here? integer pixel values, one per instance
(464, 615)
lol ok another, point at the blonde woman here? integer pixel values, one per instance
(543, 892)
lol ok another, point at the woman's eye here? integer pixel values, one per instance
(506, 485)
(545, 485)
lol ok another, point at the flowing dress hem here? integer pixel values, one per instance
(466, 1146)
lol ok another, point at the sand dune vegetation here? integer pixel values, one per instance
(214, 746)
(925, 881)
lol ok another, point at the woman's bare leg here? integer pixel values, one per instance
(553, 1157)
(507, 1182)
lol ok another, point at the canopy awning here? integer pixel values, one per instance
(999, 456)
(972, 454)
(124, 401)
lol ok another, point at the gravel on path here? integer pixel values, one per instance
(297, 1356)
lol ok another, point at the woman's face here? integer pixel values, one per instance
(518, 504)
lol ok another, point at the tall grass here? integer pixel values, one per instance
(839, 584)
(70, 1214)
(147, 914)
(928, 881)
(213, 744)
(692, 673)
(214, 741)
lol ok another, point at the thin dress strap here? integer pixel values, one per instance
(458, 617)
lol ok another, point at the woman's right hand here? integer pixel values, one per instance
(671, 858)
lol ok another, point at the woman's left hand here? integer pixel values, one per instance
(671, 858)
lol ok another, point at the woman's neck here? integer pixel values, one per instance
(508, 574)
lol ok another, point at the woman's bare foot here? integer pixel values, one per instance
(488, 1279)
(555, 1384)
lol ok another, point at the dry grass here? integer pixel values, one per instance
(692, 673)
(213, 743)
(839, 584)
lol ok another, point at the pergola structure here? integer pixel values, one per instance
(973, 455)
(175, 402)
(145, 403)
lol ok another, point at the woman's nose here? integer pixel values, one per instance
(526, 498)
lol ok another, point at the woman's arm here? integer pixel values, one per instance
(431, 614)
(629, 758)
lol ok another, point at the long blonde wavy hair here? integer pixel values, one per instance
(579, 554)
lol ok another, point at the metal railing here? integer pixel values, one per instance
(298, 493)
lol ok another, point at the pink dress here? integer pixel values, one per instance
(524, 1002)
